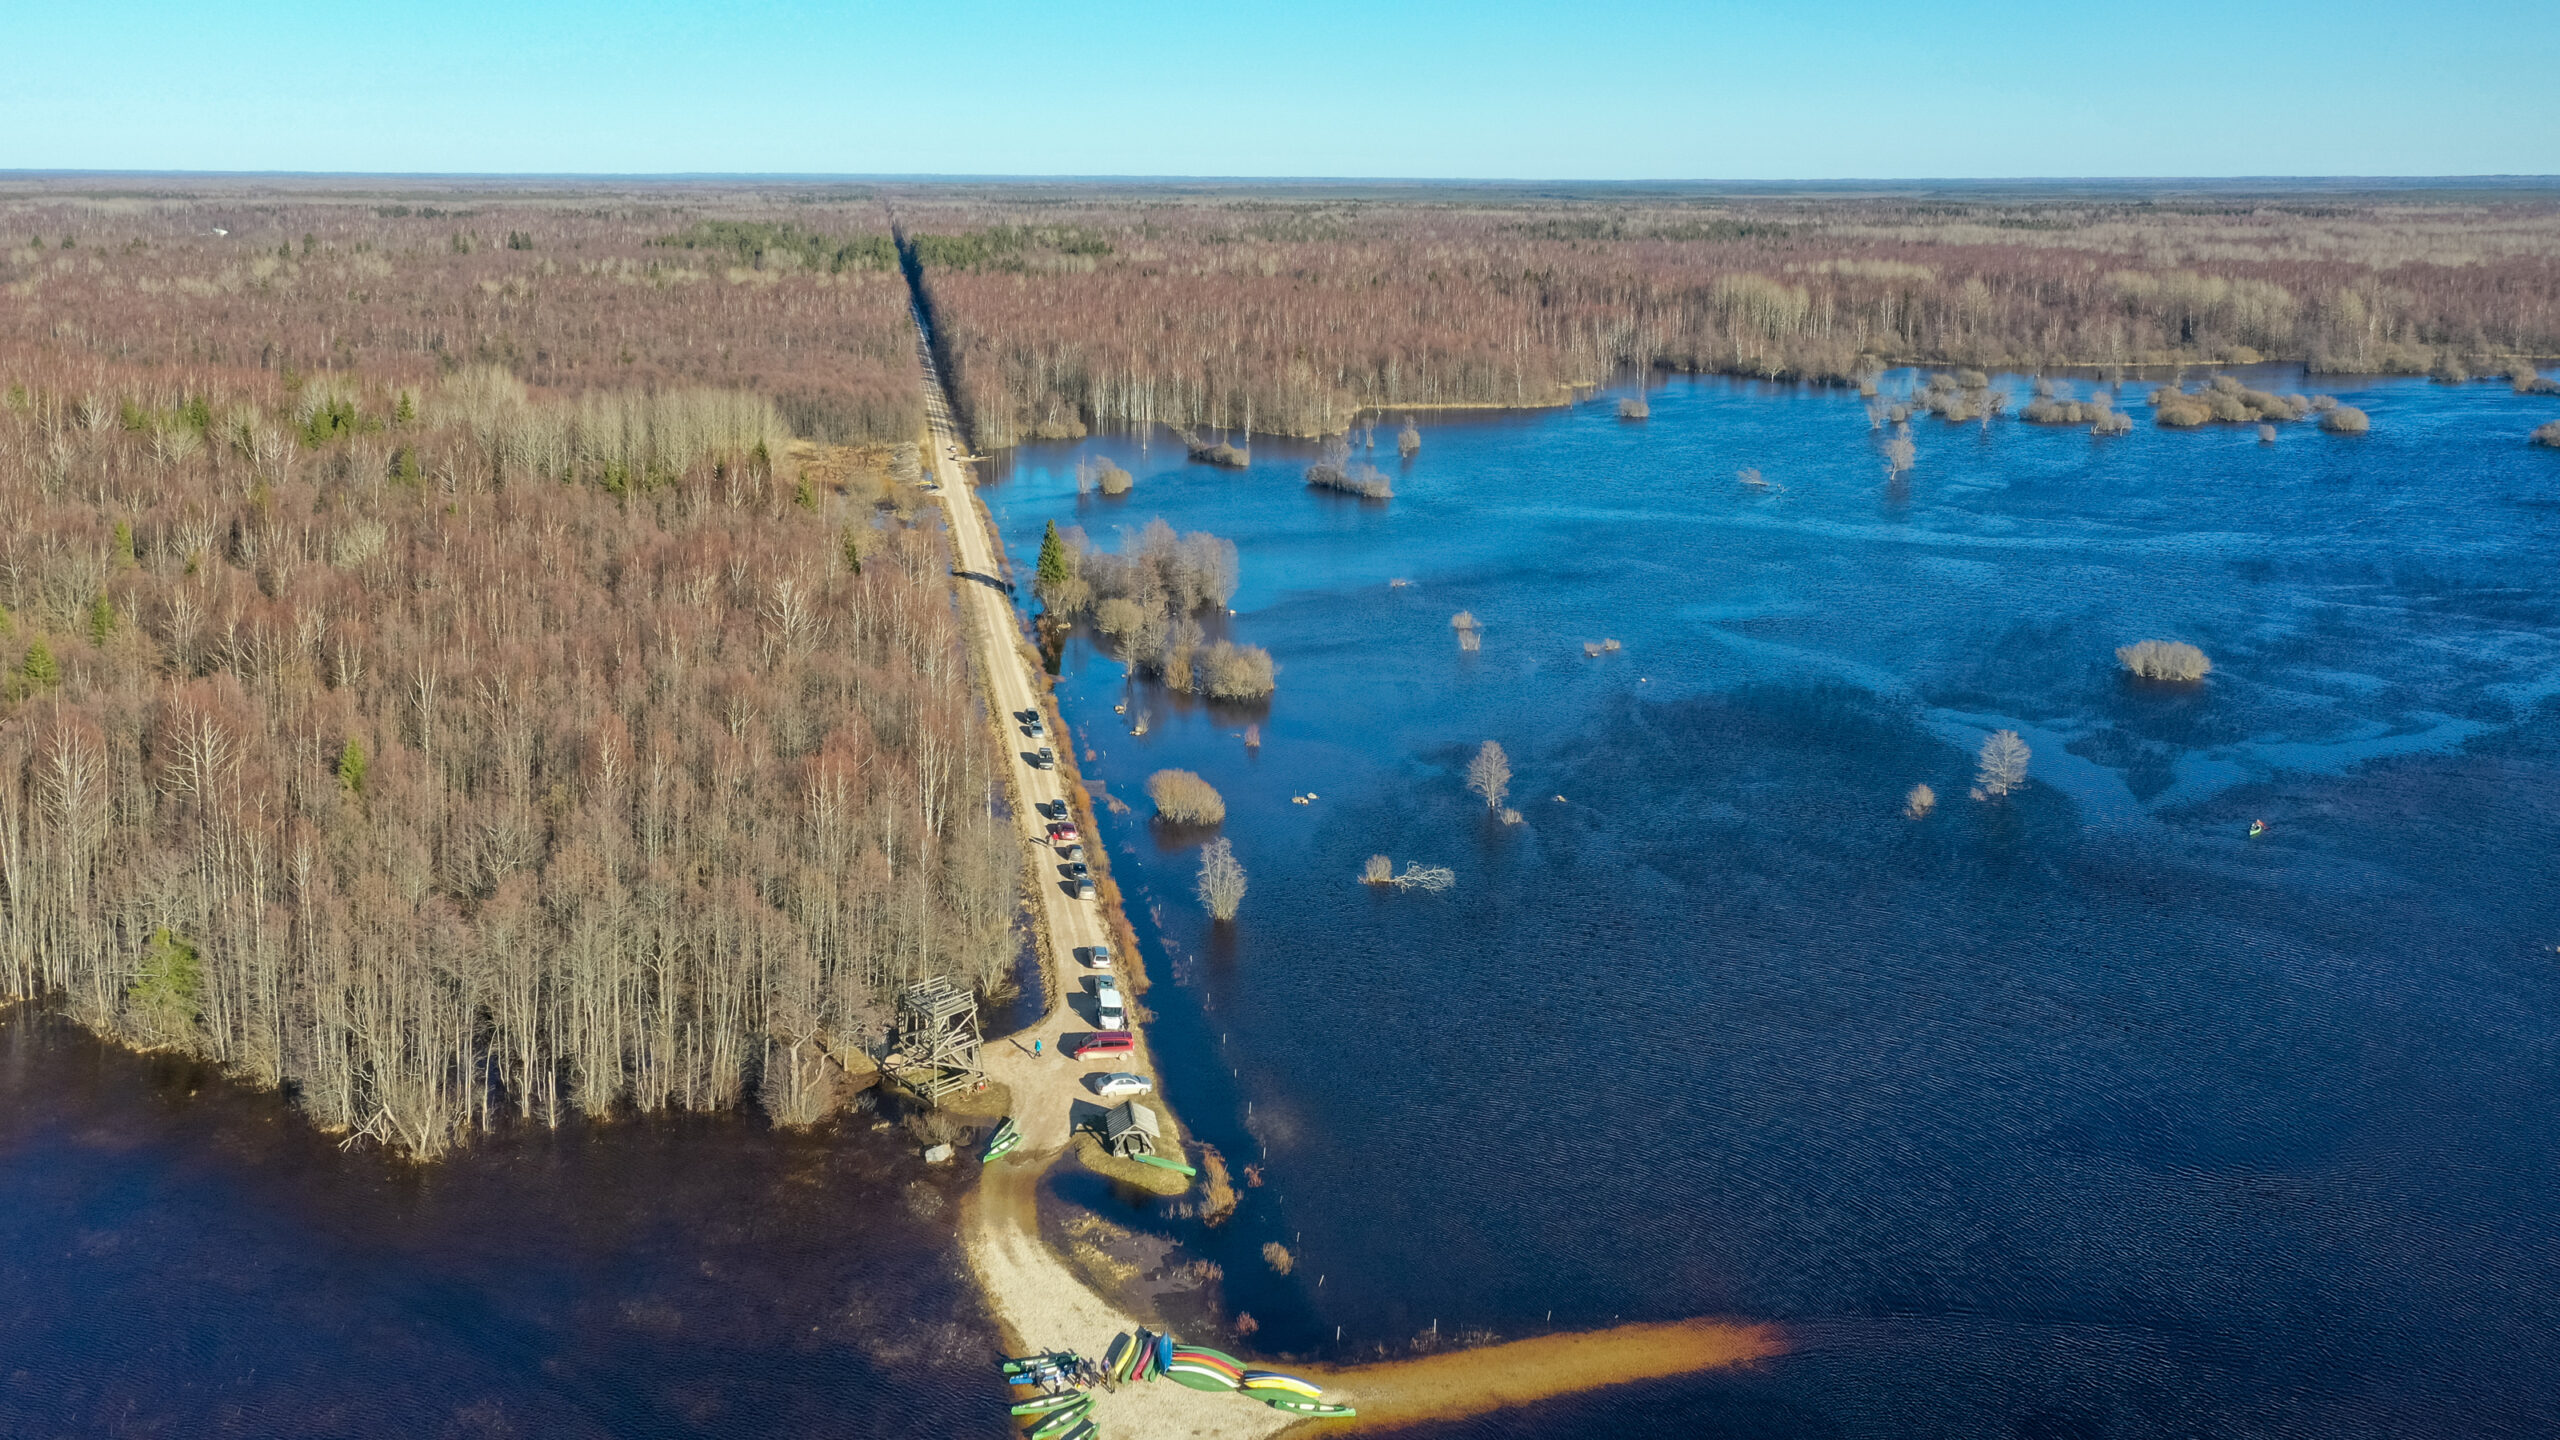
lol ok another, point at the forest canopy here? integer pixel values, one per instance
(445, 753)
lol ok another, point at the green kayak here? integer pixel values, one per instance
(1025, 1364)
(1301, 1405)
(1064, 1421)
(1162, 1163)
(1043, 1404)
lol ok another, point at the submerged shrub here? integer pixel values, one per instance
(1235, 672)
(2346, 420)
(1215, 452)
(1408, 439)
(1185, 799)
(1919, 802)
(1336, 470)
(2164, 660)
(1633, 409)
(2548, 434)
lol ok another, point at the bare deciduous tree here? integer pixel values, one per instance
(1221, 886)
(1489, 774)
(2001, 767)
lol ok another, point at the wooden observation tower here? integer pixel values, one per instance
(937, 1045)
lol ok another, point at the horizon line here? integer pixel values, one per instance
(2496, 179)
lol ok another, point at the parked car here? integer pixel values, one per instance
(1098, 956)
(1071, 852)
(1084, 888)
(1062, 832)
(1106, 990)
(1035, 726)
(1076, 871)
(1049, 809)
(1045, 760)
(1112, 1016)
(1121, 1083)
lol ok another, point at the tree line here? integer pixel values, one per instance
(588, 288)
(1225, 314)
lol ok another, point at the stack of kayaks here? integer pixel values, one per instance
(1142, 1358)
(1288, 1392)
(1002, 1142)
(1202, 1368)
(1121, 1366)
(1257, 1381)
(1045, 1369)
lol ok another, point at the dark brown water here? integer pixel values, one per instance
(2079, 1115)
(178, 1258)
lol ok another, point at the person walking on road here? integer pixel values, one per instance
(1035, 1049)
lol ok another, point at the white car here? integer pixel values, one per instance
(1111, 1015)
(1120, 1082)
(1106, 991)
(1098, 956)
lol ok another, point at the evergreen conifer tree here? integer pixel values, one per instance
(40, 670)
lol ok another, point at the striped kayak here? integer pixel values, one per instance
(1064, 1421)
(1202, 1354)
(1301, 1405)
(1199, 1377)
(1024, 1364)
(1006, 1137)
(1162, 1163)
(1274, 1380)
(1086, 1431)
(1043, 1404)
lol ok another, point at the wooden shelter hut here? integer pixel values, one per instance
(1131, 1129)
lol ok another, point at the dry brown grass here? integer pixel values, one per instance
(1185, 799)
(1276, 1255)
(1217, 1191)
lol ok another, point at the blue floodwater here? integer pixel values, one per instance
(2081, 1114)
(179, 1258)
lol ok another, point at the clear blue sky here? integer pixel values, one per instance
(1492, 89)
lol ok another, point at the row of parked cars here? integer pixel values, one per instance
(1112, 1015)
(1110, 1012)
(1036, 728)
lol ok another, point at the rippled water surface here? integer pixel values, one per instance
(180, 1259)
(2082, 1114)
